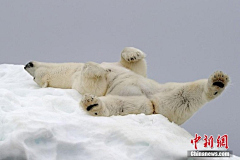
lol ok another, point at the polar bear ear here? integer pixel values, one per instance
(45, 85)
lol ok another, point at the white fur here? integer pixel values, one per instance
(121, 88)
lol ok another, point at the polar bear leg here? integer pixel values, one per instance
(183, 100)
(92, 79)
(116, 105)
(134, 59)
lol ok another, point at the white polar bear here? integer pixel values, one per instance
(122, 88)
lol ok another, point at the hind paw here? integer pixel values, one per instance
(217, 82)
(218, 79)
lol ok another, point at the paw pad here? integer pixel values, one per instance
(91, 103)
(217, 81)
(131, 54)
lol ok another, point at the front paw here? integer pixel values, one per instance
(217, 82)
(92, 104)
(131, 54)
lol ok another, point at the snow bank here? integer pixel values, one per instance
(47, 124)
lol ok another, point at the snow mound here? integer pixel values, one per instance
(47, 124)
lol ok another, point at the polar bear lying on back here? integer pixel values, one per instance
(122, 88)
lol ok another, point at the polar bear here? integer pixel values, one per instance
(85, 78)
(122, 88)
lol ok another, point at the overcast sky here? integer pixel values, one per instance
(184, 41)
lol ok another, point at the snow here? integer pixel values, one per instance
(47, 124)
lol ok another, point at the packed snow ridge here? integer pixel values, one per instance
(48, 124)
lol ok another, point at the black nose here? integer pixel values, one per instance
(29, 65)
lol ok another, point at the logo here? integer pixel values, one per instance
(221, 142)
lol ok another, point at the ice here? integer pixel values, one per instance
(48, 124)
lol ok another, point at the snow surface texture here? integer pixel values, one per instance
(47, 124)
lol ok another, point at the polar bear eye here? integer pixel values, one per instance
(95, 113)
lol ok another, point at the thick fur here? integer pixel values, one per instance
(85, 78)
(122, 88)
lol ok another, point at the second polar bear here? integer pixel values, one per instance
(122, 88)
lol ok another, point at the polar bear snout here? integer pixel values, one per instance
(28, 65)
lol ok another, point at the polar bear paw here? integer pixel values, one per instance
(91, 103)
(131, 54)
(217, 82)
